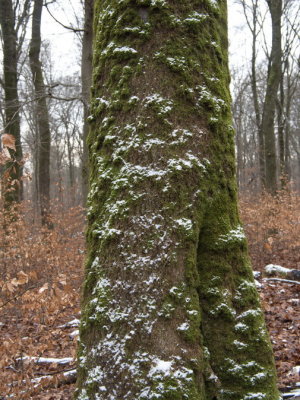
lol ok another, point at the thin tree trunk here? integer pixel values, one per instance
(287, 155)
(281, 132)
(86, 77)
(43, 127)
(170, 309)
(268, 118)
(239, 151)
(261, 154)
(253, 27)
(13, 186)
(70, 167)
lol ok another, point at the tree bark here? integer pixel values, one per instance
(268, 118)
(86, 77)
(287, 155)
(281, 131)
(170, 309)
(287, 91)
(42, 117)
(254, 32)
(13, 170)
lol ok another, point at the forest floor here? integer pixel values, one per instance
(41, 274)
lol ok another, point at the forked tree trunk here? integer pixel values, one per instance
(42, 117)
(13, 170)
(170, 309)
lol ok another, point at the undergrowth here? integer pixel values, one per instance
(41, 274)
(272, 226)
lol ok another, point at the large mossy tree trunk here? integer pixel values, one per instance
(170, 309)
(13, 170)
(42, 116)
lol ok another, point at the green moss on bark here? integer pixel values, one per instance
(169, 306)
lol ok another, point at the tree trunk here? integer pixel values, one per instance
(86, 77)
(261, 154)
(43, 128)
(13, 170)
(170, 309)
(268, 118)
(281, 132)
(290, 91)
(70, 149)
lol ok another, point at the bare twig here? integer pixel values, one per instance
(55, 372)
(17, 295)
(70, 28)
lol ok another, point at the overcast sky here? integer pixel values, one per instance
(65, 49)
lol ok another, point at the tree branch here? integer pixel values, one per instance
(75, 30)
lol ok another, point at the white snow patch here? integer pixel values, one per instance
(157, 3)
(240, 327)
(185, 223)
(74, 334)
(161, 367)
(183, 327)
(225, 308)
(296, 370)
(257, 396)
(179, 62)
(256, 274)
(213, 377)
(102, 101)
(234, 234)
(176, 291)
(124, 50)
(148, 144)
(164, 105)
(195, 17)
(71, 324)
(240, 345)
(193, 312)
(48, 360)
(94, 375)
(272, 269)
(293, 394)
(253, 313)
(257, 284)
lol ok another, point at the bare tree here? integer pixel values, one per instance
(273, 88)
(42, 117)
(254, 22)
(11, 23)
(288, 86)
(86, 76)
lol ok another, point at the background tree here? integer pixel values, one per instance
(11, 44)
(170, 309)
(86, 77)
(42, 118)
(264, 78)
(66, 125)
(268, 115)
(288, 85)
(253, 18)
